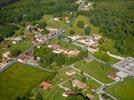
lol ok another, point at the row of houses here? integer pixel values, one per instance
(57, 49)
(15, 39)
(91, 42)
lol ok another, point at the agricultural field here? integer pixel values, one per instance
(17, 81)
(123, 90)
(97, 70)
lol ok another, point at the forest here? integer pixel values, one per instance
(29, 11)
(6, 2)
(116, 21)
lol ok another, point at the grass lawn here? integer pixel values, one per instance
(86, 20)
(56, 93)
(90, 83)
(56, 24)
(19, 79)
(123, 90)
(97, 70)
(22, 46)
(106, 58)
(108, 45)
(46, 18)
(64, 44)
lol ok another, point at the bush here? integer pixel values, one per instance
(80, 24)
(87, 30)
(72, 32)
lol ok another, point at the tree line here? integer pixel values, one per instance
(115, 24)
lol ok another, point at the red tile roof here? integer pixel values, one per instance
(45, 85)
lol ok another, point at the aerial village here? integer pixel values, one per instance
(72, 58)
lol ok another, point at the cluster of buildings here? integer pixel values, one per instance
(126, 65)
(5, 58)
(29, 58)
(79, 84)
(57, 49)
(76, 84)
(86, 7)
(15, 40)
(91, 42)
(40, 38)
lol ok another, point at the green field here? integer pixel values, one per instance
(46, 18)
(18, 80)
(86, 21)
(22, 46)
(97, 70)
(123, 90)
(56, 24)
(106, 58)
(56, 93)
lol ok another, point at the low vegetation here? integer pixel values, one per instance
(16, 81)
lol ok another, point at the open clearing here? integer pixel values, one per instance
(96, 70)
(123, 90)
(86, 21)
(18, 80)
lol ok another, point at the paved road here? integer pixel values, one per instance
(110, 95)
(115, 56)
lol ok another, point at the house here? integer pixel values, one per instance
(52, 30)
(73, 52)
(15, 40)
(6, 54)
(113, 76)
(28, 27)
(46, 85)
(73, 38)
(70, 72)
(66, 18)
(78, 1)
(121, 74)
(30, 53)
(40, 39)
(97, 37)
(21, 58)
(56, 19)
(57, 49)
(79, 84)
(88, 60)
(2, 64)
(68, 93)
(91, 42)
